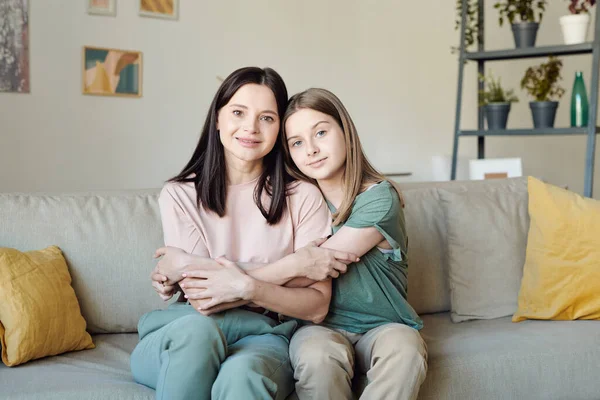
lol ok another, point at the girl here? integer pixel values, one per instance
(370, 322)
(234, 198)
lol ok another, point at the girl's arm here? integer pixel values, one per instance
(312, 262)
(348, 245)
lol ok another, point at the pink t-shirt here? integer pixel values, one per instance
(243, 234)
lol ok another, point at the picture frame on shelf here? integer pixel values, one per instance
(112, 72)
(164, 9)
(102, 7)
(495, 168)
(14, 46)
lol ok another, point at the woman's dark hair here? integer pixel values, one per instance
(208, 160)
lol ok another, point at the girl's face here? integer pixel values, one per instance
(248, 125)
(316, 144)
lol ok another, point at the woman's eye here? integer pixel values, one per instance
(267, 118)
(320, 134)
(237, 112)
(296, 143)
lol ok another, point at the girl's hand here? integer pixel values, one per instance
(318, 263)
(161, 286)
(172, 262)
(223, 285)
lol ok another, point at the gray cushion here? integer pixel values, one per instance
(108, 240)
(98, 374)
(498, 359)
(487, 237)
(428, 289)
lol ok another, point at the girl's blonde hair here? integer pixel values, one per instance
(358, 172)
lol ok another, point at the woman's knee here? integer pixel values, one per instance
(194, 331)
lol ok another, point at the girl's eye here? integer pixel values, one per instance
(320, 134)
(296, 143)
(267, 118)
(237, 112)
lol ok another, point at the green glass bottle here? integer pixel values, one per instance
(579, 102)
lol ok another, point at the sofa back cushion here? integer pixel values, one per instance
(108, 240)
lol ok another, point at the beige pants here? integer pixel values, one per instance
(394, 357)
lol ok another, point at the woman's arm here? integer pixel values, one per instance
(230, 285)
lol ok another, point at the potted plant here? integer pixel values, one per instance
(522, 16)
(472, 23)
(495, 101)
(541, 82)
(575, 25)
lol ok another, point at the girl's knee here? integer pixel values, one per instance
(321, 356)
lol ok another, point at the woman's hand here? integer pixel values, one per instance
(161, 285)
(318, 263)
(221, 285)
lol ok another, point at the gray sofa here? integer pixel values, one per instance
(108, 240)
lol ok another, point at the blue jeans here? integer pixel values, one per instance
(236, 354)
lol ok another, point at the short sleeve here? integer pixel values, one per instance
(178, 229)
(380, 207)
(311, 216)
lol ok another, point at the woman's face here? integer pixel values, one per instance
(248, 125)
(316, 144)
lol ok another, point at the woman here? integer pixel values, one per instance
(370, 322)
(234, 198)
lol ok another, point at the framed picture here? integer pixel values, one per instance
(14, 46)
(112, 72)
(495, 168)
(167, 9)
(102, 7)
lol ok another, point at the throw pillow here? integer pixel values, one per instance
(561, 276)
(39, 312)
(486, 238)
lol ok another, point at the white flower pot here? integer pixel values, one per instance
(575, 28)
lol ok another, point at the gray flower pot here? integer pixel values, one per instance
(525, 33)
(497, 115)
(543, 113)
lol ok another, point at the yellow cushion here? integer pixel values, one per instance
(39, 312)
(561, 276)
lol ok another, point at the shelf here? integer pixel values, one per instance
(398, 174)
(527, 132)
(531, 52)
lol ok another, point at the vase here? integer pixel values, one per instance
(543, 113)
(575, 28)
(579, 102)
(497, 115)
(525, 34)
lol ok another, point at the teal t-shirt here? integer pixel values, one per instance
(373, 291)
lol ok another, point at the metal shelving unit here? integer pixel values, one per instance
(481, 56)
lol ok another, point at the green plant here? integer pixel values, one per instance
(580, 6)
(495, 93)
(472, 23)
(541, 81)
(524, 9)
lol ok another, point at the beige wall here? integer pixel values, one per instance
(388, 60)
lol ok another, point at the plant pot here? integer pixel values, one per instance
(575, 28)
(525, 33)
(543, 113)
(497, 115)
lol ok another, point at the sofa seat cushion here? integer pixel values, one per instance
(499, 359)
(101, 373)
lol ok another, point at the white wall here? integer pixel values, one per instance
(388, 60)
